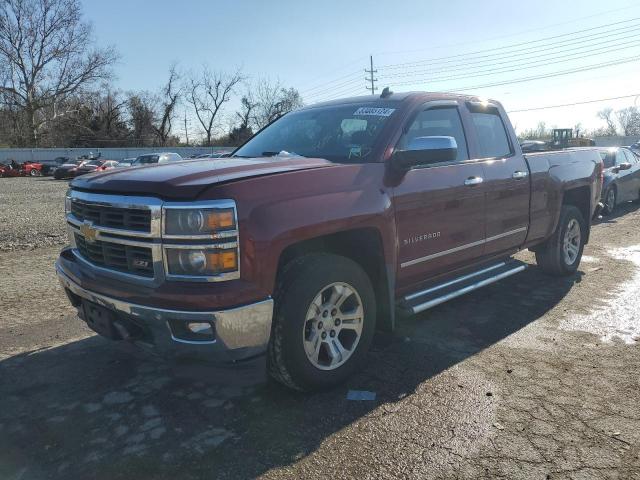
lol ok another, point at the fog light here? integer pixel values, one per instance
(200, 327)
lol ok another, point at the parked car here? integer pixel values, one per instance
(292, 252)
(156, 158)
(96, 166)
(69, 169)
(534, 146)
(125, 163)
(10, 168)
(621, 177)
(50, 166)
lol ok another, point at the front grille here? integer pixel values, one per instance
(117, 256)
(138, 220)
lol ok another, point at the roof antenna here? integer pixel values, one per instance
(386, 93)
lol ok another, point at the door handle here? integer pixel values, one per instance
(518, 174)
(473, 181)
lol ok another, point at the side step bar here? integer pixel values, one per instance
(424, 299)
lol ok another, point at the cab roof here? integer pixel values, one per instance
(400, 97)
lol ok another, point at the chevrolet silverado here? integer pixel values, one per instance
(319, 230)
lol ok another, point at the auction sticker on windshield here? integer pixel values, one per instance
(376, 112)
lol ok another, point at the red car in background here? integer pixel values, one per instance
(95, 166)
(14, 169)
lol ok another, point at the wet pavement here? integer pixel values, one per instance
(532, 377)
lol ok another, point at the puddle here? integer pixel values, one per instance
(620, 317)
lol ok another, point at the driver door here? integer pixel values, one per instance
(439, 207)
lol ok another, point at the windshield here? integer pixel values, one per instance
(344, 133)
(143, 159)
(93, 163)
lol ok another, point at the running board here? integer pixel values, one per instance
(424, 299)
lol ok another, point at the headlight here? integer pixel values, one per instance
(201, 262)
(187, 221)
(67, 202)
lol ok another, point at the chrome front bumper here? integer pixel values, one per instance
(240, 333)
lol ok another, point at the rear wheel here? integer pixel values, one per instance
(610, 200)
(561, 254)
(324, 321)
(34, 172)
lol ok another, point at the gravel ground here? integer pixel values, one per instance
(31, 212)
(531, 378)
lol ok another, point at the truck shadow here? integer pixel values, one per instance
(91, 409)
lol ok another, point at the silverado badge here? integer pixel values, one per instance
(88, 232)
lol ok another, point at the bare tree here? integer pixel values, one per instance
(208, 93)
(273, 101)
(46, 55)
(245, 114)
(606, 114)
(169, 97)
(141, 118)
(629, 120)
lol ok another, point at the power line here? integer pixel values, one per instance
(520, 32)
(582, 44)
(324, 85)
(550, 75)
(490, 71)
(321, 89)
(400, 65)
(371, 78)
(573, 104)
(336, 87)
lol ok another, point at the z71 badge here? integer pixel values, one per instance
(421, 238)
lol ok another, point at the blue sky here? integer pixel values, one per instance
(322, 47)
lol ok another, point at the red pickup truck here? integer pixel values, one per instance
(316, 231)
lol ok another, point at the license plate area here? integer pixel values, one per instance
(100, 320)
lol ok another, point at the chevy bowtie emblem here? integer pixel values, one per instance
(88, 232)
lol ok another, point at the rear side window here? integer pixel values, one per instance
(437, 122)
(631, 158)
(492, 136)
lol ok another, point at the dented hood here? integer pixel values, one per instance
(185, 180)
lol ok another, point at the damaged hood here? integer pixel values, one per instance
(185, 180)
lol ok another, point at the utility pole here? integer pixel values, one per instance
(371, 78)
(186, 131)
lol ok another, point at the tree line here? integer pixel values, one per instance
(57, 89)
(625, 121)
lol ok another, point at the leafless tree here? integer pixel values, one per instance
(46, 55)
(207, 93)
(141, 118)
(629, 120)
(273, 101)
(606, 114)
(245, 114)
(169, 97)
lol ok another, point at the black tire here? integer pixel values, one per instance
(551, 257)
(609, 206)
(299, 283)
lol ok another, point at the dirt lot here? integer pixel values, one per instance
(532, 378)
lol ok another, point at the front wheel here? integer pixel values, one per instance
(561, 253)
(610, 201)
(324, 321)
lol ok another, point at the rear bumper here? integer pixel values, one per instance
(240, 333)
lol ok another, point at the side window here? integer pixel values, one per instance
(631, 158)
(437, 122)
(620, 158)
(492, 136)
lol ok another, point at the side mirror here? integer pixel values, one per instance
(425, 150)
(624, 166)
